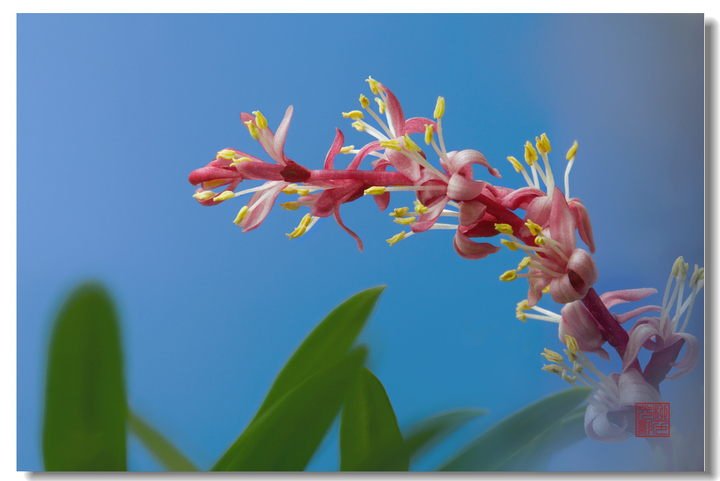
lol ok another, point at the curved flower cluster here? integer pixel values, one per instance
(610, 414)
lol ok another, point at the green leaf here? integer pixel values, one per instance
(285, 437)
(170, 457)
(424, 435)
(370, 439)
(496, 446)
(85, 407)
(535, 455)
(325, 345)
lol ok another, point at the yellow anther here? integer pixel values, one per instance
(534, 228)
(523, 305)
(393, 144)
(241, 215)
(396, 238)
(358, 126)
(509, 276)
(577, 368)
(546, 289)
(253, 130)
(353, 114)
(678, 267)
(419, 208)
(303, 192)
(381, 105)
(439, 108)
(428, 134)
(204, 195)
(405, 220)
(410, 145)
(567, 377)
(400, 212)
(364, 101)
(241, 159)
(530, 153)
(552, 356)
(375, 190)
(697, 275)
(504, 229)
(292, 205)
(305, 221)
(226, 154)
(509, 244)
(228, 194)
(290, 189)
(299, 230)
(517, 165)
(260, 120)
(552, 368)
(543, 144)
(524, 263)
(521, 316)
(211, 184)
(373, 85)
(571, 343)
(539, 240)
(572, 355)
(347, 150)
(571, 153)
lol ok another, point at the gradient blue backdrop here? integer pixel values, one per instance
(114, 111)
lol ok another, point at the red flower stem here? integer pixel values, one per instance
(613, 331)
(659, 364)
(505, 216)
(369, 177)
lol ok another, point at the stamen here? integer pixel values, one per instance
(347, 150)
(439, 108)
(398, 237)
(509, 244)
(364, 101)
(400, 212)
(410, 145)
(428, 134)
(521, 170)
(204, 195)
(353, 114)
(375, 190)
(405, 220)
(509, 276)
(419, 208)
(260, 120)
(292, 205)
(241, 215)
(381, 105)
(228, 194)
(504, 229)
(534, 228)
(226, 154)
(393, 144)
(253, 130)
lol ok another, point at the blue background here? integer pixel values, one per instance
(114, 112)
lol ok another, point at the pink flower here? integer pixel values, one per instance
(612, 408)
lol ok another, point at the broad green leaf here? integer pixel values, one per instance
(422, 436)
(535, 455)
(325, 345)
(370, 439)
(285, 437)
(85, 407)
(492, 449)
(170, 457)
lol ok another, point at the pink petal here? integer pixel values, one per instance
(382, 200)
(209, 173)
(352, 234)
(428, 219)
(635, 389)
(521, 199)
(579, 323)
(599, 428)
(471, 211)
(539, 211)
(691, 357)
(468, 157)
(622, 318)
(331, 199)
(266, 200)
(461, 188)
(582, 219)
(417, 125)
(638, 335)
(334, 150)
(395, 112)
(472, 250)
(279, 142)
(406, 166)
(614, 298)
(562, 223)
(371, 147)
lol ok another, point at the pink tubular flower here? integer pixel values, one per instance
(662, 335)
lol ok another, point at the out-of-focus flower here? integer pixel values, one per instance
(660, 334)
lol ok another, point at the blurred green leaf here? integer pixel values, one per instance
(285, 437)
(370, 439)
(170, 457)
(496, 446)
(85, 407)
(325, 345)
(422, 436)
(535, 455)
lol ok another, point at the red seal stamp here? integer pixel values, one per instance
(652, 420)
